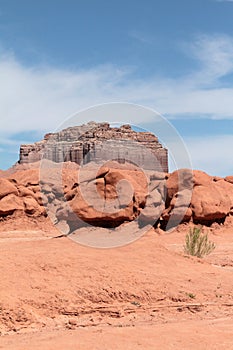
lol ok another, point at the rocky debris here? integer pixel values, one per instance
(154, 205)
(23, 194)
(97, 142)
(31, 206)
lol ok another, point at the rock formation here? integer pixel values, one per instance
(97, 142)
(103, 176)
(117, 193)
(211, 197)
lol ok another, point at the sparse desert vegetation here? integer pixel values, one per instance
(197, 242)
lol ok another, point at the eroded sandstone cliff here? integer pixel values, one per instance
(96, 142)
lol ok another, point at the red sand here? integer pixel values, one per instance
(56, 294)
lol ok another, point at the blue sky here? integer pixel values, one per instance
(176, 56)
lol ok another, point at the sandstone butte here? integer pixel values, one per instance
(49, 179)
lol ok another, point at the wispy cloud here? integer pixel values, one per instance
(212, 154)
(224, 0)
(215, 55)
(141, 37)
(39, 98)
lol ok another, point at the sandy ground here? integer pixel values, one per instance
(57, 294)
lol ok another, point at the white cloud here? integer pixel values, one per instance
(141, 37)
(41, 97)
(215, 54)
(212, 154)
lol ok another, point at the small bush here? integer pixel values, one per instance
(191, 295)
(197, 243)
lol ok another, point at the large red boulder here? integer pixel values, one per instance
(9, 204)
(7, 187)
(197, 196)
(114, 193)
(110, 198)
(210, 203)
(178, 181)
(31, 206)
(212, 198)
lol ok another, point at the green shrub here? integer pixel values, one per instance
(191, 295)
(197, 243)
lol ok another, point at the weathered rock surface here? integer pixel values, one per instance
(7, 187)
(9, 204)
(97, 142)
(229, 179)
(113, 198)
(210, 198)
(22, 193)
(31, 206)
(112, 194)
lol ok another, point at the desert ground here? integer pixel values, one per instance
(57, 294)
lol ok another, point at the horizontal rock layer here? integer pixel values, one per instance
(97, 142)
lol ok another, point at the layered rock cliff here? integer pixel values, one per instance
(96, 142)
